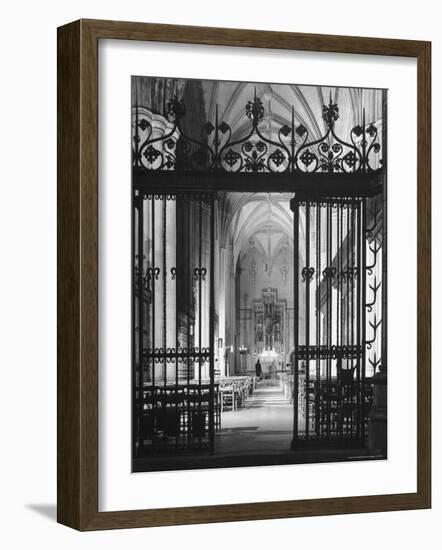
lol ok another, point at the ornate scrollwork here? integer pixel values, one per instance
(175, 109)
(375, 362)
(329, 272)
(334, 352)
(374, 325)
(375, 215)
(350, 273)
(292, 150)
(153, 273)
(374, 289)
(255, 110)
(307, 273)
(374, 249)
(180, 355)
(199, 273)
(330, 113)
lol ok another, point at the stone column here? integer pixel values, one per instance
(233, 305)
(205, 287)
(221, 292)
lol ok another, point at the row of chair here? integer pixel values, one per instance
(234, 390)
(336, 406)
(182, 412)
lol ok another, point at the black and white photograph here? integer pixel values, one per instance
(259, 261)
(218, 248)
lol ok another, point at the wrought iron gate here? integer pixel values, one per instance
(174, 387)
(339, 265)
(338, 314)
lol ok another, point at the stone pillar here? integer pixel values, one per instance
(205, 288)
(216, 279)
(231, 304)
(221, 293)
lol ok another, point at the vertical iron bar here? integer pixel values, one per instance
(337, 278)
(363, 309)
(212, 328)
(333, 383)
(318, 320)
(177, 275)
(140, 206)
(180, 394)
(307, 321)
(292, 142)
(329, 320)
(153, 291)
(352, 306)
(136, 356)
(347, 306)
(152, 275)
(188, 266)
(364, 143)
(341, 312)
(358, 324)
(137, 406)
(164, 290)
(339, 318)
(384, 281)
(200, 238)
(137, 138)
(295, 208)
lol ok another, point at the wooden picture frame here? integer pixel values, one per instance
(77, 461)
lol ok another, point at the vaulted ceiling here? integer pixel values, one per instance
(205, 98)
(230, 99)
(265, 218)
(263, 221)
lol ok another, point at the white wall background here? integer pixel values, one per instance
(28, 272)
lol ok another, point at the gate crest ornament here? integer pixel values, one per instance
(292, 151)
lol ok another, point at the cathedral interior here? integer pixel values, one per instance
(259, 283)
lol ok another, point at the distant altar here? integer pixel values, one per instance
(269, 339)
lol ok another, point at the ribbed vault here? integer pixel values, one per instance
(230, 98)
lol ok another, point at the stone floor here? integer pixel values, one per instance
(258, 433)
(264, 424)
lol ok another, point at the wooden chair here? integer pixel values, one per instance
(228, 397)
